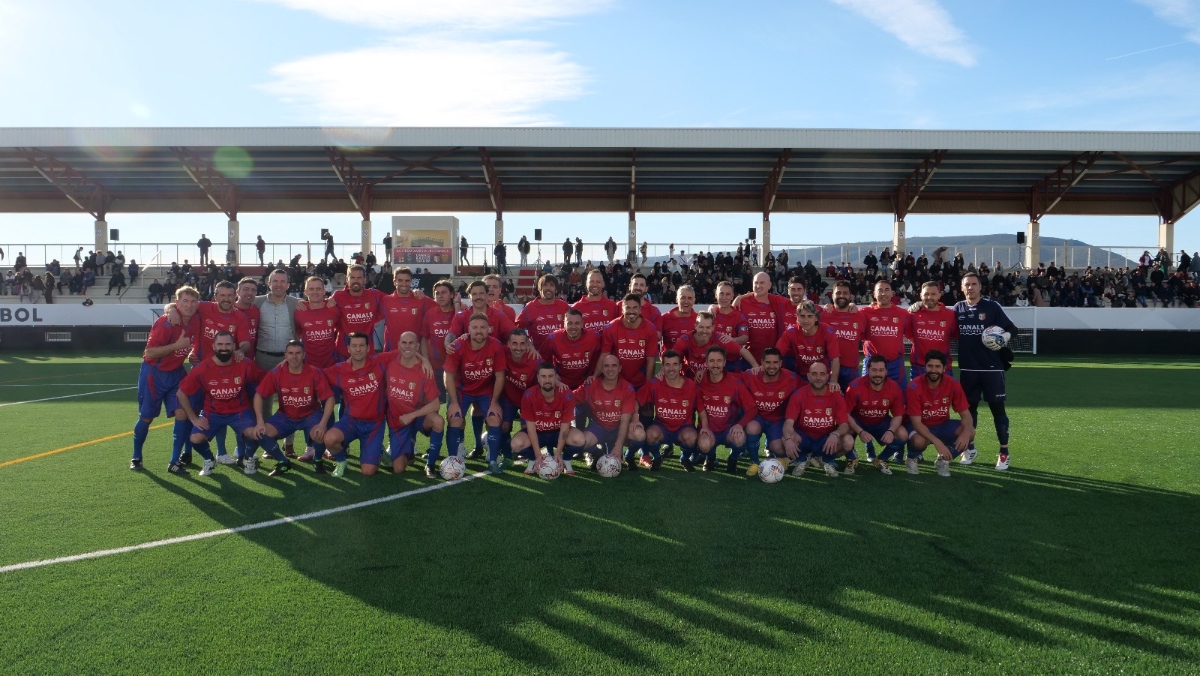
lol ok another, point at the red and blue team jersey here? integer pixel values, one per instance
(883, 331)
(871, 407)
(651, 313)
(771, 398)
(674, 407)
(820, 346)
(434, 327)
(932, 330)
(695, 356)
(519, 377)
(253, 316)
(212, 320)
(732, 323)
(403, 313)
(541, 320)
(631, 346)
(726, 403)
(574, 359)
(163, 333)
(300, 394)
(408, 389)
(499, 322)
(224, 385)
(607, 406)
(674, 326)
(362, 389)
(816, 414)
(506, 309)
(935, 405)
(317, 328)
(474, 369)
(357, 314)
(547, 416)
(597, 314)
(765, 321)
(848, 327)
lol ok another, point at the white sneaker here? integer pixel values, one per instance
(207, 468)
(968, 456)
(943, 467)
(815, 462)
(882, 466)
(911, 465)
(226, 459)
(251, 465)
(1002, 461)
(265, 455)
(529, 469)
(831, 470)
(798, 468)
(567, 469)
(309, 455)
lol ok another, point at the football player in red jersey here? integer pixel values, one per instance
(546, 414)
(475, 378)
(598, 309)
(633, 339)
(402, 310)
(796, 291)
(499, 325)
(247, 289)
(316, 326)
(847, 323)
(612, 406)
(572, 350)
(931, 327)
(681, 319)
(413, 400)
(729, 321)
(931, 399)
(495, 296)
(359, 309)
(305, 403)
(876, 406)
(694, 346)
(676, 404)
(167, 347)
(520, 375)
(816, 424)
(650, 313)
(809, 341)
(767, 314)
(543, 315)
(729, 413)
(434, 327)
(884, 328)
(360, 380)
(771, 386)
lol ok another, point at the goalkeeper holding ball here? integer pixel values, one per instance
(983, 362)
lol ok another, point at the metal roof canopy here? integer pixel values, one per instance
(103, 170)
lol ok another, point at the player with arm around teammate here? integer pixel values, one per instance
(675, 403)
(305, 404)
(520, 375)
(816, 424)
(876, 407)
(546, 414)
(167, 348)
(360, 380)
(930, 401)
(475, 373)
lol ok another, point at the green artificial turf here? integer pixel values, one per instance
(1082, 558)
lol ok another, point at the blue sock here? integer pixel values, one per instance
(752, 444)
(476, 429)
(493, 443)
(506, 443)
(435, 448)
(454, 437)
(570, 451)
(852, 455)
(202, 449)
(655, 451)
(179, 438)
(221, 443)
(271, 446)
(340, 456)
(140, 429)
(871, 450)
(634, 447)
(240, 446)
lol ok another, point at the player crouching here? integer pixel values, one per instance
(612, 404)
(729, 414)
(305, 404)
(413, 400)
(546, 414)
(930, 400)
(816, 425)
(876, 407)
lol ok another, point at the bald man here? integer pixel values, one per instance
(767, 315)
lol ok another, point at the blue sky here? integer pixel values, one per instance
(1112, 65)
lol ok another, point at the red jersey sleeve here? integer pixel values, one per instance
(193, 381)
(268, 385)
(321, 385)
(746, 402)
(913, 399)
(501, 360)
(841, 414)
(794, 405)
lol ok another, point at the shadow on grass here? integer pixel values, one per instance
(636, 569)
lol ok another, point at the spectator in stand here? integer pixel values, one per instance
(48, 287)
(1, 253)
(89, 280)
(64, 281)
(501, 253)
(645, 248)
(8, 286)
(1185, 262)
(523, 249)
(117, 281)
(79, 257)
(204, 244)
(871, 263)
(610, 248)
(567, 248)
(462, 250)
(154, 293)
(578, 251)
(134, 271)
(261, 247)
(25, 290)
(19, 264)
(328, 237)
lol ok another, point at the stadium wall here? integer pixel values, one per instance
(1165, 331)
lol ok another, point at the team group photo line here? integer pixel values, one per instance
(614, 384)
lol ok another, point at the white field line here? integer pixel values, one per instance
(67, 396)
(230, 531)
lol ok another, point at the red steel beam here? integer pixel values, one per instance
(904, 197)
(84, 192)
(1174, 201)
(494, 186)
(1046, 193)
(771, 187)
(358, 188)
(221, 191)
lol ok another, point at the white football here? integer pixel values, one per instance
(453, 468)
(995, 338)
(770, 471)
(550, 469)
(608, 466)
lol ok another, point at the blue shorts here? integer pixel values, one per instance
(986, 385)
(915, 372)
(482, 403)
(285, 425)
(946, 433)
(672, 438)
(722, 439)
(368, 434)
(877, 429)
(773, 430)
(158, 388)
(217, 422)
(604, 436)
(509, 412)
(403, 441)
(846, 375)
(895, 370)
(548, 443)
(809, 445)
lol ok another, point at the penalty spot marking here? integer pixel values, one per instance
(79, 445)
(239, 529)
(67, 396)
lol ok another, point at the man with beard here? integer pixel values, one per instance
(930, 401)
(612, 406)
(847, 325)
(598, 310)
(694, 346)
(632, 339)
(305, 403)
(167, 347)
(729, 413)
(572, 350)
(815, 424)
(675, 404)
(650, 313)
(413, 401)
(931, 326)
(808, 341)
(876, 406)
(546, 413)
(360, 380)
(520, 375)
(495, 296)
(884, 328)
(402, 309)
(543, 315)
(771, 386)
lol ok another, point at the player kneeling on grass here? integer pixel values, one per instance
(226, 401)
(930, 401)
(305, 404)
(816, 424)
(612, 404)
(413, 400)
(546, 414)
(729, 414)
(876, 406)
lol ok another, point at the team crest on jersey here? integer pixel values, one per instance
(557, 415)
(685, 402)
(489, 361)
(782, 394)
(855, 325)
(560, 317)
(367, 305)
(772, 315)
(604, 312)
(641, 343)
(232, 328)
(307, 390)
(895, 320)
(982, 316)
(819, 349)
(616, 402)
(885, 402)
(412, 385)
(237, 380)
(945, 400)
(329, 322)
(942, 324)
(807, 411)
(829, 411)
(371, 376)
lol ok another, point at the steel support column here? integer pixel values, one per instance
(495, 192)
(1173, 203)
(1166, 237)
(898, 244)
(232, 255)
(366, 237)
(1033, 245)
(101, 234)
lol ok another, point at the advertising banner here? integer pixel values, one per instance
(426, 242)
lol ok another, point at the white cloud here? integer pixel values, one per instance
(1182, 13)
(489, 15)
(923, 25)
(432, 82)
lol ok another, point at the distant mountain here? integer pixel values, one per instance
(1001, 247)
